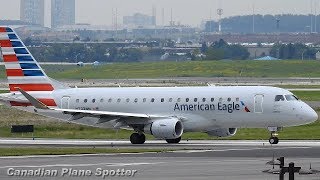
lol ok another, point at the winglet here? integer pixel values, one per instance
(35, 102)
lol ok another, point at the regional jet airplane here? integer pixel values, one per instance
(165, 112)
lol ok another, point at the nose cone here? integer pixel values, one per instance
(311, 115)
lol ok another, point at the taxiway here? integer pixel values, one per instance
(192, 159)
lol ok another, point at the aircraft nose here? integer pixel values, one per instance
(311, 115)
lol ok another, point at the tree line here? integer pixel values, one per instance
(85, 53)
(293, 51)
(219, 50)
(222, 50)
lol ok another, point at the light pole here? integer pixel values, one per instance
(302, 55)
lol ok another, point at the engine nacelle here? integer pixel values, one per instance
(223, 132)
(171, 128)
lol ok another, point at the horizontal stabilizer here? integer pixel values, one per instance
(36, 103)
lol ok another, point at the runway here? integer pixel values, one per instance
(184, 144)
(192, 160)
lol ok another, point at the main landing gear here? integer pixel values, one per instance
(174, 141)
(137, 138)
(273, 131)
(140, 138)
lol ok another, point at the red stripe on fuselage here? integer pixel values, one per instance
(48, 102)
(14, 72)
(31, 87)
(5, 43)
(10, 58)
(2, 29)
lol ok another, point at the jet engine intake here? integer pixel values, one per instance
(170, 128)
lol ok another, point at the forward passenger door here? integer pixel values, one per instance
(258, 103)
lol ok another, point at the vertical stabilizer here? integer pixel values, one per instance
(22, 70)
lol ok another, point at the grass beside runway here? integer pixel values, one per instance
(308, 95)
(236, 68)
(17, 151)
(247, 68)
(3, 91)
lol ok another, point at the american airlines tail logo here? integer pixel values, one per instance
(22, 69)
(245, 107)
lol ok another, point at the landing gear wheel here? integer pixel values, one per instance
(274, 140)
(137, 138)
(274, 134)
(174, 141)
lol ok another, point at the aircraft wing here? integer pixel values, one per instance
(101, 113)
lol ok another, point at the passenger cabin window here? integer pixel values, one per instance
(144, 99)
(152, 99)
(170, 99)
(187, 99)
(136, 100)
(128, 100)
(110, 100)
(203, 99)
(101, 100)
(162, 99)
(195, 99)
(118, 100)
(212, 99)
(179, 99)
(93, 100)
(279, 98)
(229, 99)
(85, 100)
(77, 100)
(291, 98)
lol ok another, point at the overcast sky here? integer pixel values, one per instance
(191, 12)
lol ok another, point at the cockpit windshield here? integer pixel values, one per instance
(291, 98)
(279, 98)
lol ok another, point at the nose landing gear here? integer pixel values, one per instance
(274, 139)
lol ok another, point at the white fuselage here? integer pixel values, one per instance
(199, 108)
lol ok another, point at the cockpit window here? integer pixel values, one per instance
(291, 98)
(279, 98)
